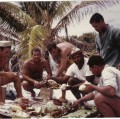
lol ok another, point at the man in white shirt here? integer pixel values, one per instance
(107, 95)
(76, 74)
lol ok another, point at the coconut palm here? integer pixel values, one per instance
(12, 22)
(37, 28)
(45, 13)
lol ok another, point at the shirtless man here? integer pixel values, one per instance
(60, 54)
(32, 71)
(5, 76)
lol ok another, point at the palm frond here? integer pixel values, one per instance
(62, 8)
(83, 9)
(15, 17)
(7, 32)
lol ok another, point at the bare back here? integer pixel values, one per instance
(65, 47)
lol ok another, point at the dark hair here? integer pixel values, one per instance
(51, 46)
(96, 18)
(95, 60)
(35, 50)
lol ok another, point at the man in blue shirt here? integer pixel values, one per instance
(107, 40)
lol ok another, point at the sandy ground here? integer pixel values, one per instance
(56, 94)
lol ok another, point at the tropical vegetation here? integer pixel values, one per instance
(30, 24)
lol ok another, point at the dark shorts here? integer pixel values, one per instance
(74, 81)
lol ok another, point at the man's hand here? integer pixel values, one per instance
(40, 84)
(89, 88)
(75, 104)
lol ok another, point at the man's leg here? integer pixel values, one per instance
(8, 77)
(108, 106)
(17, 85)
(28, 87)
(74, 81)
(63, 97)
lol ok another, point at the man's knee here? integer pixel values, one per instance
(71, 81)
(99, 98)
(16, 80)
(26, 85)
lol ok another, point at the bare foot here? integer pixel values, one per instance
(63, 100)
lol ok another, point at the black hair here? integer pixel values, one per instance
(51, 46)
(35, 50)
(96, 18)
(96, 60)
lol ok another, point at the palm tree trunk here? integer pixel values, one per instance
(66, 31)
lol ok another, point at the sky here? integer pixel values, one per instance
(111, 16)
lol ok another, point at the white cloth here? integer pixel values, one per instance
(111, 76)
(53, 65)
(73, 70)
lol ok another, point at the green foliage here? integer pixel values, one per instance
(37, 37)
(87, 37)
(45, 13)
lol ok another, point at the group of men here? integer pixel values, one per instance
(74, 69)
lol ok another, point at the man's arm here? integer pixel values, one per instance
(25, 68)
(106, 90)
(61, 80)
(117, 40)
(25, 73)
(6, 66)
(48, 69)
(97, 45)
(89, 79)
(87, 97)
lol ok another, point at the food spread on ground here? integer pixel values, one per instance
(34, 107)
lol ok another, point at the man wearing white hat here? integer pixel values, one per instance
(6, 76)
(76, 74)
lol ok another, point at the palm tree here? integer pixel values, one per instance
(37, 26)
(12, 22)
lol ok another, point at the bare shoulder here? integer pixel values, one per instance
(27, 62)
(66, 48)
(65, 45)
(44, 61)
